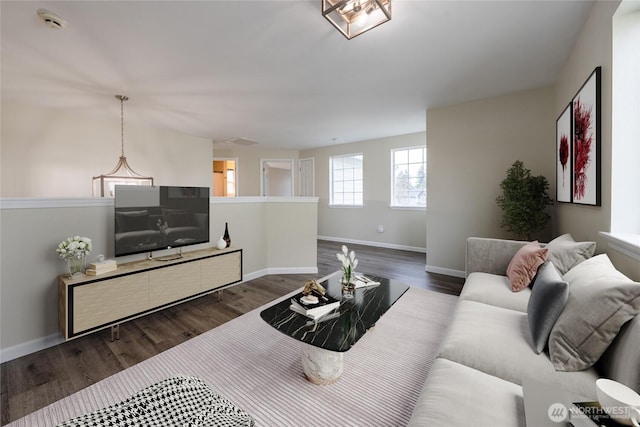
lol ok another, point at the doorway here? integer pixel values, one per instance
(276, 178)
(225, 173)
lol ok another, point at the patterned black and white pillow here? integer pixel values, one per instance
(176, 401)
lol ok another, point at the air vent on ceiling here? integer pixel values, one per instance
(241, 141)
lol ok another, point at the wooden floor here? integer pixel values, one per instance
(36, 380)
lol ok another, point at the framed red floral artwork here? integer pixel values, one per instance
(564, 183)
(585, 147)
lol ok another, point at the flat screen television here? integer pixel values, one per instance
(151, 218)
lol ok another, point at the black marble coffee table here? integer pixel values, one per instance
(326, 339)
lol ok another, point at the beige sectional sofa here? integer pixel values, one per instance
(488, 351)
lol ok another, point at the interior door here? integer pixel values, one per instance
(307, 177)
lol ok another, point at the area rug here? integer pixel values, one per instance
(259, 369)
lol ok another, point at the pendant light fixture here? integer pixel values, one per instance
(354, 17)
(122, 174)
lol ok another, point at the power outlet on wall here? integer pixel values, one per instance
(380, 229)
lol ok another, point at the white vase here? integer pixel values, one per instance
(221, 244)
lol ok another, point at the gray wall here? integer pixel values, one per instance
(278, 236)
(593, 48)
(29, 265)
(470, 146)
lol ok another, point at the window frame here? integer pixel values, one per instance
(392, 197)
(332, 202)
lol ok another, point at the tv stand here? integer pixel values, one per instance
(92, 303)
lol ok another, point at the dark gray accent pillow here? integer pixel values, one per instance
(548, 298)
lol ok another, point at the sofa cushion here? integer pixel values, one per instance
(497, 341)
(548, 297)
(601, 300)
(495, 290)
(566, 253)
(524, 265)
(456, 395)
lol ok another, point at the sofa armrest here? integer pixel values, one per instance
(488, 255)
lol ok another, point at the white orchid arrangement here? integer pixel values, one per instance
(74, 247)
(349, 262)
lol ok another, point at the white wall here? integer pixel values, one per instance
(405, 229)
(54, 153)
(470, 147)
(277, 181)
(278, 236)
(625, 177)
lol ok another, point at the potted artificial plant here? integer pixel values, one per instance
(524, 201)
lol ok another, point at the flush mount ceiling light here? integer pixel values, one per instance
(354, 17)
(122, 174)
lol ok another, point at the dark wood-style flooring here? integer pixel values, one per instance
(36, 380)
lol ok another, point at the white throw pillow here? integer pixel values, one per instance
(566, 253)
(601, 299)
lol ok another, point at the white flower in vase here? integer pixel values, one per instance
(74, 250)
(349, 263)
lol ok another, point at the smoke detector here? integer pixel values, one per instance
(51, 19)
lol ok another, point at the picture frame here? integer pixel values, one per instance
(585, 147)
(564, 158)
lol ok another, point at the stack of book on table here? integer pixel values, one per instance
(314, 305)
(100, 267)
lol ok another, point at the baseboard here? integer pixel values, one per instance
(293, 270)
(254, 275)
(445, 271)
(29, 347)
(374, 244)
(279, 270)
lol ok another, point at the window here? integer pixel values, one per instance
(624, 234)
(409, 177)
(345, 180)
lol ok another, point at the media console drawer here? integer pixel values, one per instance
(92, 303)
(218, 271)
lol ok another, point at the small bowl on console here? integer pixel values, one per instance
(619, 401)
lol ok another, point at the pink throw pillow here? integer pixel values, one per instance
(524, 265)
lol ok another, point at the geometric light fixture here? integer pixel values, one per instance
(122, 174)
(354, 17)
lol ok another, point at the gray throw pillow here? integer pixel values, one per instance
(566, 253)
(601, 300)
(548, 298)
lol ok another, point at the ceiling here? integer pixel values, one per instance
(277, 72)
